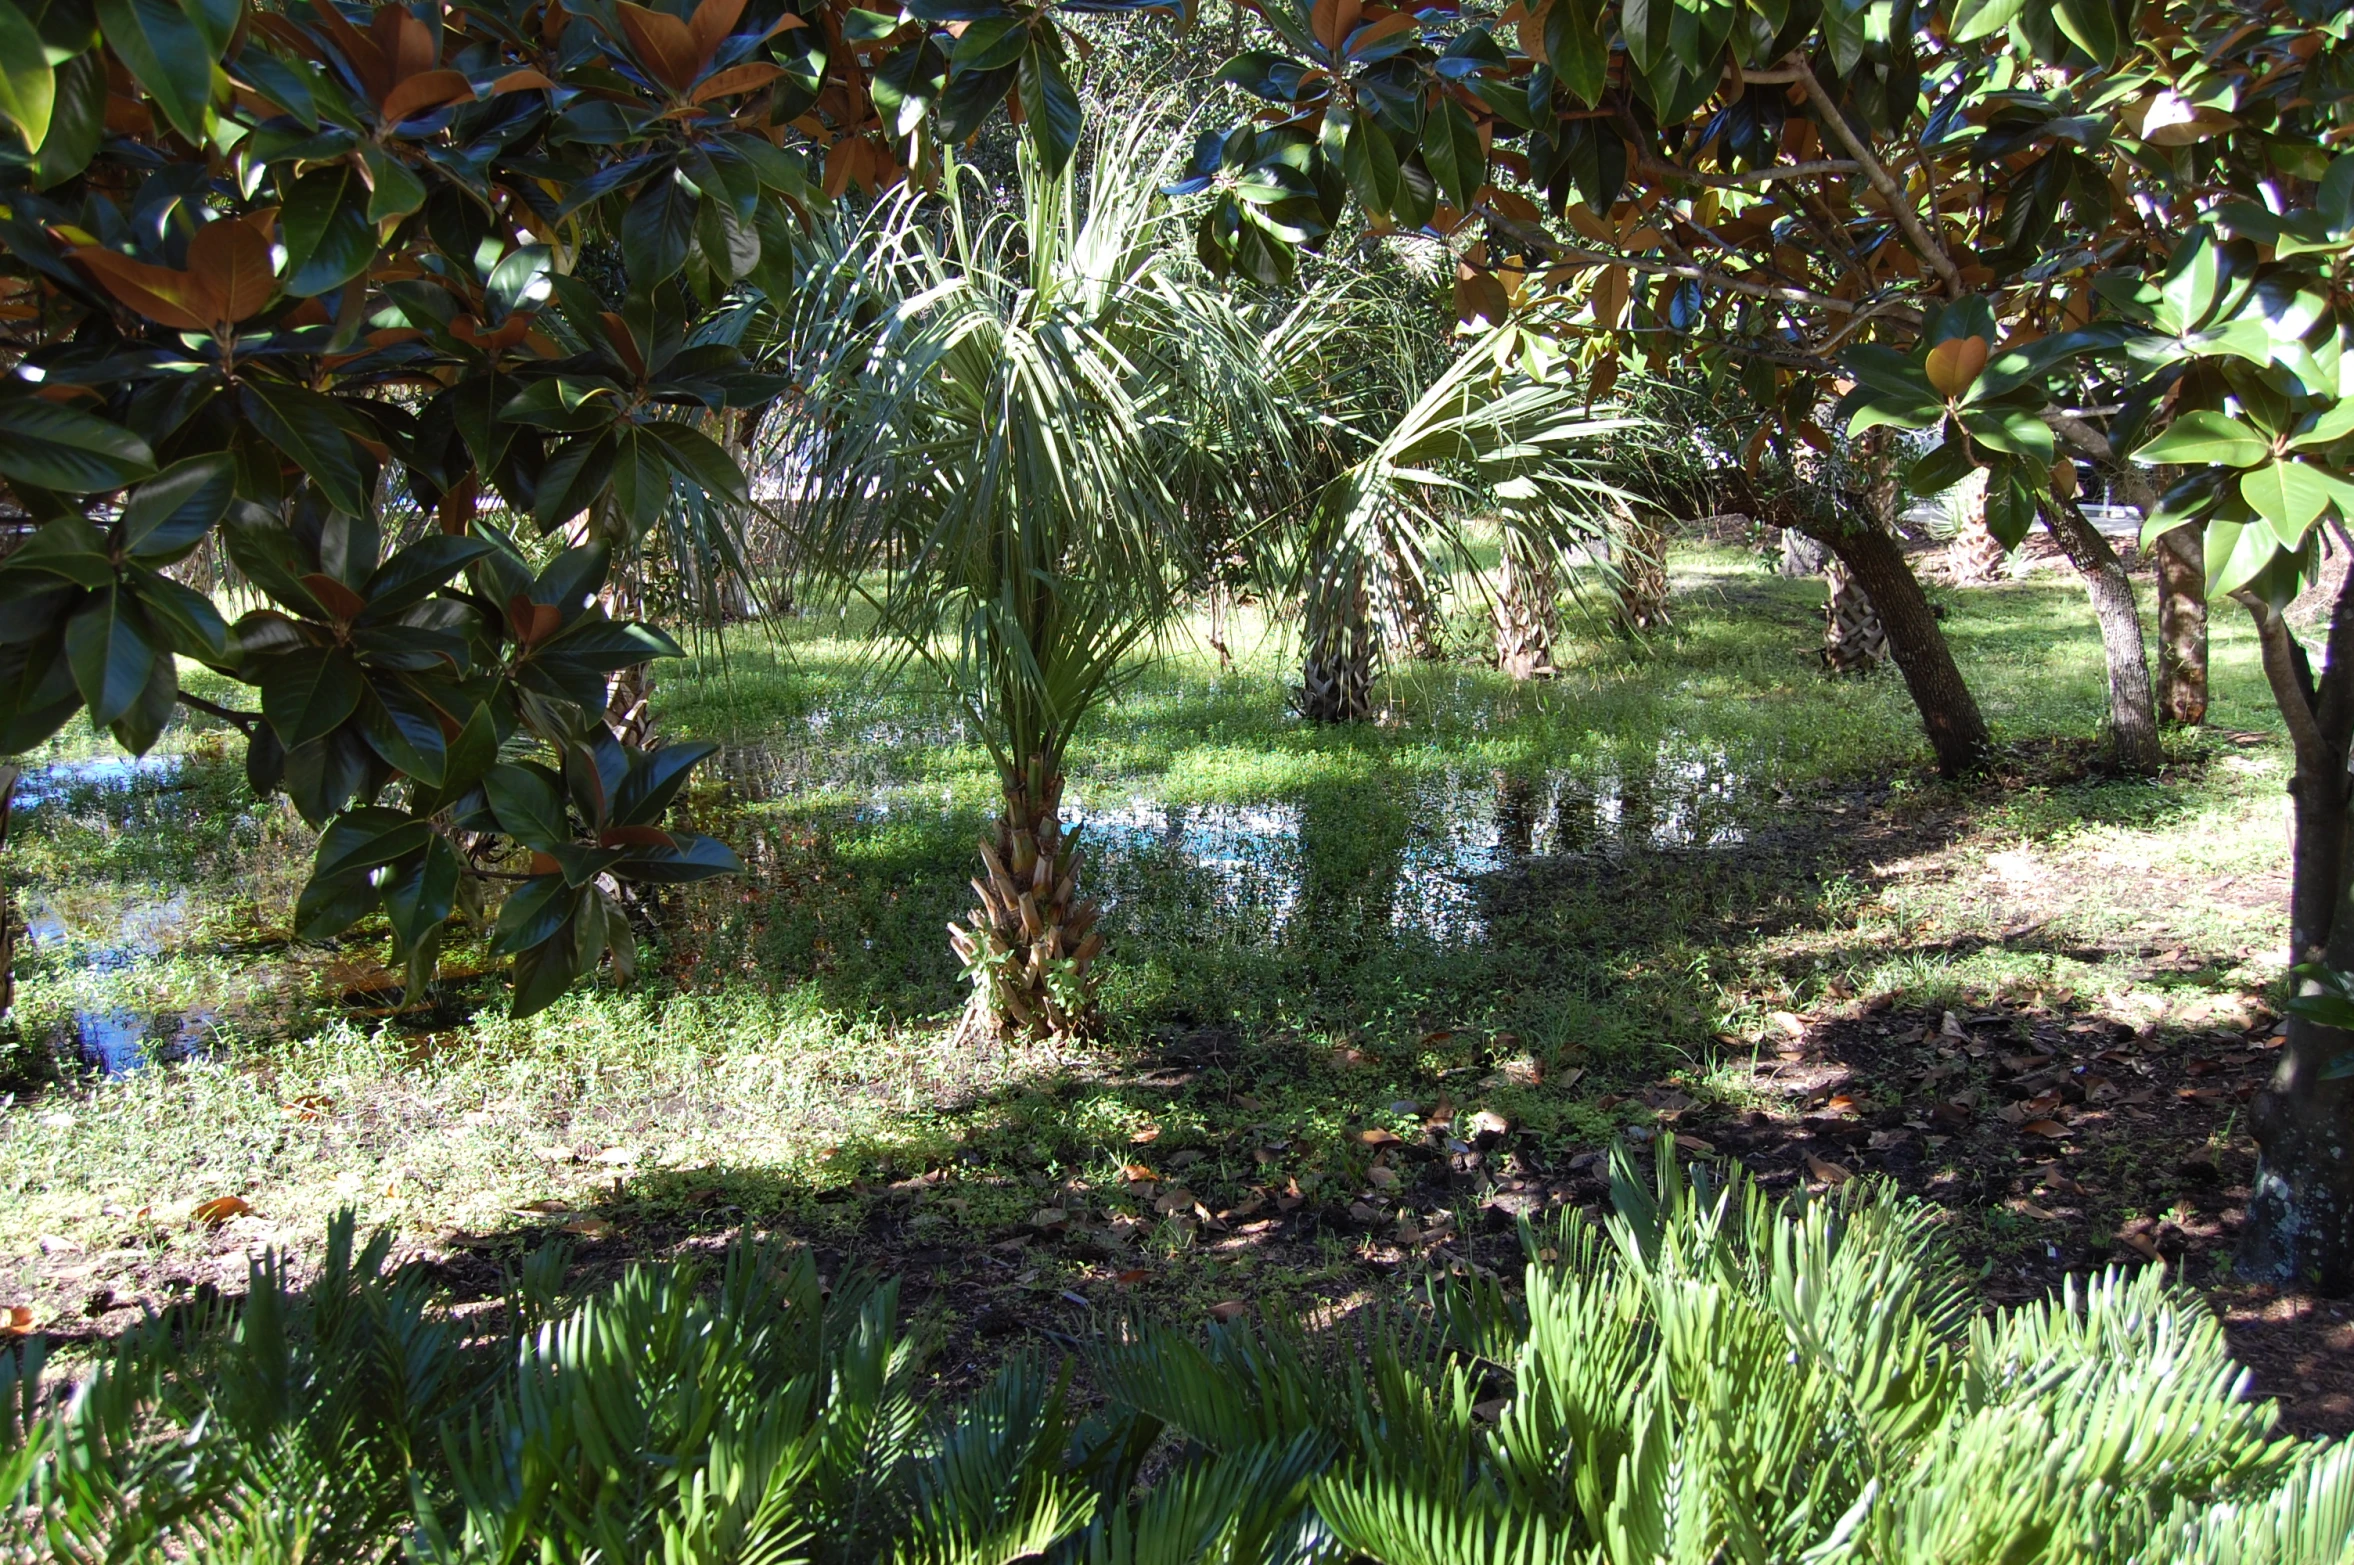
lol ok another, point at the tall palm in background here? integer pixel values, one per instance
(998, 427)
(1482, 440)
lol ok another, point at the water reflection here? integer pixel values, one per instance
(126, 932)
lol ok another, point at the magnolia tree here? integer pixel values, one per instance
(305, 283)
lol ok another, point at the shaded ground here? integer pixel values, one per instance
(1376, 996)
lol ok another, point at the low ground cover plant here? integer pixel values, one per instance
(1704, 1374)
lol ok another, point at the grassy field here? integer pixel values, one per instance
(1588, 909)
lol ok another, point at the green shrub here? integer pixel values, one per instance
(1706, 1376)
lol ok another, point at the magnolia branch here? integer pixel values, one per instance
(1553, 250)
(1900, 205)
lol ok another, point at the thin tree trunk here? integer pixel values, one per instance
(1949, 713)
(2300, 1220)
(1414, 618)
(2133, 716)
(1032, 943)
(2182, 627)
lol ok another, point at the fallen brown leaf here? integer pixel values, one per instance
(220, 1209)
(1829, 1173)
(1131, 1277)
(16, 1320)
(1149, 1133)
(2049, 1128)
(1378, 1138)
(1228, 1310)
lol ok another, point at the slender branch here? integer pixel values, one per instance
(1553, 250)
(2072, 428)
(1900, 205)
(1755, 176)
(246, 723)
(2314, 757)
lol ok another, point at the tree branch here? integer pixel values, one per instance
(1551, 249)
(2314, 756)
(1755, 176)
(244, 722)
(1900, 205)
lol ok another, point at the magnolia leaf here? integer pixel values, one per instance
(2201, 436)
(28, 83)
(51, 446)
(2290, 496)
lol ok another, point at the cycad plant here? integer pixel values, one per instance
(998, 453)
(1706, 1376)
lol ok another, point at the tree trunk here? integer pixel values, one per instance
(2133, 716)
(2182, 627)
(1801, 556)
(1336, 668)
(1949, 713)
(1032, 944)
(1524, 611)
(2300, 1221)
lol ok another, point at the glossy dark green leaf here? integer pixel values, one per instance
(28, 86)
(77, 122)
(657, 230)
(654, 779)
(331, 904)
(1578, 48)
(690, 858)
(400, 726)
(69, 549)
(112, 653)
(324, 776)
(417, 572)
(166, 45)
(169, 515)
(533, 912)
(2092, 26)
(367, 837)
(704, 462)
(529, 805)
(1050, 108)
(37, 694)
(308, 695)
(185, 620)
(418, 899)
(144, 720)
(1450, 146)
(302, 425)
(394, 188)
(52, 446)
(324, 223)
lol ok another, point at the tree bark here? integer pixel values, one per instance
(2182, 627)
(1949, 713)
(2133, 715)
(2300, 1220)
(1523, 610)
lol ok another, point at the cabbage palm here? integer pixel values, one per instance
(1482, 438)
(1000, 424)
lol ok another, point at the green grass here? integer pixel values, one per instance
(792, 1051)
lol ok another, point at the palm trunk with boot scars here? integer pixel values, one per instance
(1854, 640)
(1641, 561)
(1336, 669)
(1524, 612)
(1031, 945)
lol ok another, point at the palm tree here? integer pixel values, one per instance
(996, 434)
(1484, 437)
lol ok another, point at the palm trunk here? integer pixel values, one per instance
(2300, 1221)
(2182, 627)
(1032, 943)
(1974, 554)
(1414, 618)
(2133, 716)
(1854, 640)
(1641, 557)
(1336, 668)
(1524, 612)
